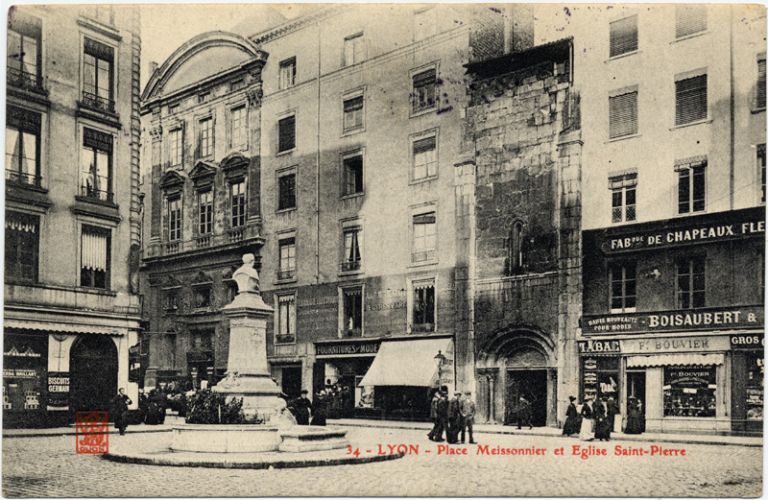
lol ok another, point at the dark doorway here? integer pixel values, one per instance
(291, 381)
(93, 373)
(532, 385)
(636, 387)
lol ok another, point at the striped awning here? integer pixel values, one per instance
(676, 360)
(57, 327)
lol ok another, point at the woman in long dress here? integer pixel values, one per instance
(634, 417)
(572, 423)
(587, 422)
(603, 421)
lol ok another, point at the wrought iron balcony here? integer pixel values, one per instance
(17, 177)
(97, 102)
(87, 191)
(203, 242)
(350, 265)
(24, 79)
(286, 275)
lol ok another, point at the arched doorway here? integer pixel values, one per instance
(93, 373)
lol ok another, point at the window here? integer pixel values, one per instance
(201, 294)
(238, 128)
(424, 95)
(96, 165)
(205, 211)
(690, 99)
(287, 253)
(516, 256)
(689, 391)
(205, 137)
(761, 167)
(286, 134)
(424, 306)
(353, 113)
(424, 24)
(98, 75)
(424, 158)
(623, 198)
(174, 218)
(171, 300)
(623, 36)
(622, 115)
(351, 258)
(353, 175)
(287, 73)
(690, 283)
(286, 319)
(175, 147)
(352, 311)
(760, 94)
(353, 49)
(691, 188)
(623, 290)
(238, 201)
(22, 246)
(286, 187)
(690, 19)
(94, 257)
(424, 237)
(24, 61)
(22, 146)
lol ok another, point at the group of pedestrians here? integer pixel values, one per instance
(598, 418)
(453, 417)
(302, 408)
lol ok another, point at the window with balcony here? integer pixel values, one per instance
(287, 73)
(623, 287)
(286, 187)
(24, 57)
(174, 218)
(423, 307)
(424, 91)
(176, 147)
(95, 257)
(353, 113)
(22, 146)
(691, 191)
(424, 237)
(285, 331)
(353, 49)
(238, 124)
(622, 115)
(690, 283)
(689, 20)
(623, 198)
(690, 99)
(287, 256)
(205, 212)
(238, 202)
(22, 246)
(352, 311)
(623, 36)
(96, 166)
(98, 76)
(286, 134)
(205, 137)
(352, 258)
(353, 175)
(424, 153)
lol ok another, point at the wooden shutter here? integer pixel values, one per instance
(690, 99)
(623, 36)
(690, 19)
(760, 95)
(623, 115)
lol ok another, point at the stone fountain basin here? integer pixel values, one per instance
(253, 438)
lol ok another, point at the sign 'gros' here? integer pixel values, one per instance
(672, 321)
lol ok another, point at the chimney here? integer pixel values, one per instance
(518, 28)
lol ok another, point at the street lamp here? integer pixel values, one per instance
(439, 361)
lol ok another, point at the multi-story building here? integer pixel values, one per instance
(674, 232)
(72, 226)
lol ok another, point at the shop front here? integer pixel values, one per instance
(748, 373)
(340, 366)
(25, 391)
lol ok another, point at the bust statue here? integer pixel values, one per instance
(246, 277)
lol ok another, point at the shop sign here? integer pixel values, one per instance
(675, 344)
(599, 347)
(58, 391)
(19, 373)
(675, 321)
(748, 341)
(346, 348)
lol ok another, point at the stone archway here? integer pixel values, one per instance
(93, 373)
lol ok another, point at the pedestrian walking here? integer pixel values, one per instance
(301, 408)
(572, 423)
(433, 415)
(442, 416)
(634, 417)
(120, 410)
(614, 415)
(587, 421)
(454, 418)
(467, 410)
(603, 422)
(524, 413)
(322, 402)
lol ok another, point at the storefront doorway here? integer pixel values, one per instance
(531, 385)
(290, 381)
(93, 369)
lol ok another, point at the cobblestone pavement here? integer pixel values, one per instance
(48, 466)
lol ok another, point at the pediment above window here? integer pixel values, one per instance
(202, 278)
(235, 164)
(172, 181)
(203, 172)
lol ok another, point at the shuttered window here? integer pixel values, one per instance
(425, 158)
(761, 167)
(286, 187)
(690, 19)
(690, 99)
(286, 132)
(760, 93)
(353, 113)
(622, 114)
(623, 36)
(424, 237)
(286, 319)
(424, 95)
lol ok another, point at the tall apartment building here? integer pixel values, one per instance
(352, 197)
(674, 231)
(72, 226)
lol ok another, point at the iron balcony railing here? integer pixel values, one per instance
(97, 194)
(200, 242)
(286, 275)
(350, 265)
(98, 102)
(24, 79)
(25, 178)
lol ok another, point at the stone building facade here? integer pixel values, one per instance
(73, 210)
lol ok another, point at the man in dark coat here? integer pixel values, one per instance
(442, 416)
(524, 414)
(467, 410)
(433, 416)
(301, 408)
(602, 425)
(322, 403)
(120, 410)
(454, 418)
(572, 423)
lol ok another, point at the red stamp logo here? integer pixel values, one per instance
(92, 432)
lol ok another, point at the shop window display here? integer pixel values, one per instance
(600, 377)
(689, 391)
(755, 378)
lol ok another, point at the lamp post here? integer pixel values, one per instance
(439, 360)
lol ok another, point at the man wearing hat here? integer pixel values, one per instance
(572, 420)
(301, 408)
(454, 418)
(442, 415)
(467, 411)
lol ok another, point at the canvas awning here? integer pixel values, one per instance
(56, 327)
(676, 360)
(407, 362)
